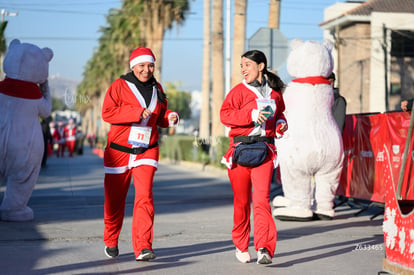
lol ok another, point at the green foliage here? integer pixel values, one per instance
(178, 101)
(221, 147)
(3, 45)
(58, 104)
(176, 148)
(188, 148)
(127, 28)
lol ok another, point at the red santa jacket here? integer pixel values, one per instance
(122, 108)
(236, 113)
(55, 134)
(70, 133)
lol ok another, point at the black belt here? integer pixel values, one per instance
(253, 139)
(135, 151)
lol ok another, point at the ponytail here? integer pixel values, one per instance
(274, 81)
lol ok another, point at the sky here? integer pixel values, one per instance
(71, 28)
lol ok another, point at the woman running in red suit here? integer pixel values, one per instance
(253, 110)
(70, 136)
(55, 136)
(135, 105)
(62, 140)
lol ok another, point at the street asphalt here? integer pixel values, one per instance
(192, 231)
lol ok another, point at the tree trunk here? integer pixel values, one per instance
(218, 72)
(274, 14)
(239, 44)
(205, 107)
(156, 47)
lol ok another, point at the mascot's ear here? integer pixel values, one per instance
(296, 43)
(14, 43)
(328, 44)
(48, 53)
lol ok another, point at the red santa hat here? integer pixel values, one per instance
(140, 55)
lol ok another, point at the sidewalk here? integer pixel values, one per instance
(192, 232)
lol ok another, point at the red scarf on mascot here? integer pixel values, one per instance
(20, 89)
(312, 80)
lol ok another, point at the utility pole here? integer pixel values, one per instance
(228, 61)
(385, 49)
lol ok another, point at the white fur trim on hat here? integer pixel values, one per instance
(140, 59)
(139, 55)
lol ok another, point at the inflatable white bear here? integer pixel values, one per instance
(311, 151)
(24, 97)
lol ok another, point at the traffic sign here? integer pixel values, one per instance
(273, 44)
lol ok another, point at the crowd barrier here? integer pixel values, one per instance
(371, 140)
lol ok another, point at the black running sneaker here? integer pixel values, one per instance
(111, 252)
(146, 255)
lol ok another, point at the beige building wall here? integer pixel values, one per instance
(354, 67)
(395, 21)
(360, 59)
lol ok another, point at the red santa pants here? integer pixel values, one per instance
(116, 189)
(71, 147)
(61, 150)
(243, 179)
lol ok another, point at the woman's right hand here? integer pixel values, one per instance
(146, 113)
(262, 116)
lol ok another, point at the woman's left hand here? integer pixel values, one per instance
(173, 119)
(283, 127)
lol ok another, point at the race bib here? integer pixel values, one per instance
(140, 136)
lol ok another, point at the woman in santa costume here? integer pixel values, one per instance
(55, 136)
(70, 136)
(253, 110)
(62, 140)
(135, 105)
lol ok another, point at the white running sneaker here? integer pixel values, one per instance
(263, 256)
(243, 257)
(146, 255)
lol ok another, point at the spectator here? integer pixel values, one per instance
(339, 105)
(407, 104)
(47, 138)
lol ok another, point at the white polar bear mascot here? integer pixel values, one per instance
(22, 102)
(311, 152)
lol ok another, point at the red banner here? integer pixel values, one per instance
(370, 140)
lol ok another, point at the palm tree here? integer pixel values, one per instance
(137, 23)
(217, 129)
(3, 46)
(205, 108)
(274, 14)
(239, 44)
(153, 18)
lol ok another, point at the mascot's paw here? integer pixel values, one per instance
(18, 216)
(324, 214)
(280, 201)
(293, 214)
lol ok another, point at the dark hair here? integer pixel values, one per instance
(259, 57)
(332, 76)
(161, 95)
